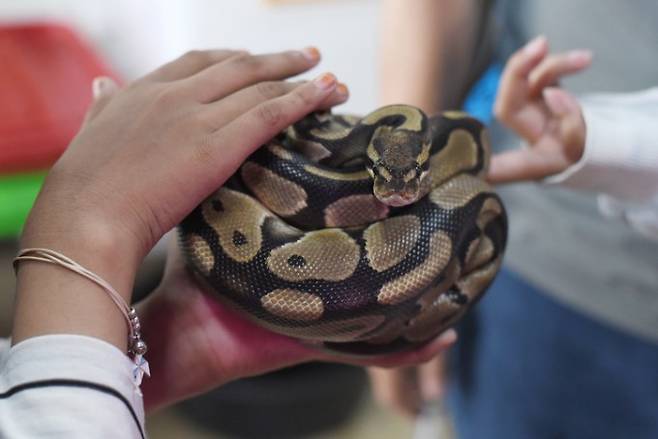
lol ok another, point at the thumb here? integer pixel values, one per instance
(102, 89)
(571, 122)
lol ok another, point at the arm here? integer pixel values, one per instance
(146, 155)
(427, 51)
(96, 207)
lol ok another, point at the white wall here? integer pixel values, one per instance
(137, 35)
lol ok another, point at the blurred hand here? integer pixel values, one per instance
(197, 343)
(548, 118)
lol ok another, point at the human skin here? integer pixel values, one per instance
(430, 72)
(146, 155)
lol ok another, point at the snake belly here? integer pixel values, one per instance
(297, 241)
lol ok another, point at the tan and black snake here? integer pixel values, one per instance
(366, 235)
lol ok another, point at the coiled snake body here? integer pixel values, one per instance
(366, 235)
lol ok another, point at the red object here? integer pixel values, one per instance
(45, 89)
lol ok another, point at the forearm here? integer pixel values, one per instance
(53, 300)
(427, 51)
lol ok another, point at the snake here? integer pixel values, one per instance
(358, 235)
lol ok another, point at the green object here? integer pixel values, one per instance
(17, 195)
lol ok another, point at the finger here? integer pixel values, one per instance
(513, 88)
(102, 90)
(525, 164)
(431, 378)
(190, 63)
(229, 146)
(560, 102)
(340, 95)
(245, 70)
(226, 110)
(396, 389)
(572, 128)
(418, 356)
(553, 67)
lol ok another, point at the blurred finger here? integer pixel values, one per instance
(229, 108)
(190, 63)
(431, 378)
(525, 164)
(553, 67)
(418, 356)
(396, 389)
(513, 88)
(560, 102)
(572, 125)
(245, 70)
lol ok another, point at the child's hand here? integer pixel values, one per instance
(146, 155)
(548, 118)
(150, 152)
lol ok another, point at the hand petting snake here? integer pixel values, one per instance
(363, 235)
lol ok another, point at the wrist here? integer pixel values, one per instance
(53, 300)
(88, 239)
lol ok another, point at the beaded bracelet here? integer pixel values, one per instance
(136, 346)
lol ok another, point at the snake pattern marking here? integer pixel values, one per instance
(362, 235)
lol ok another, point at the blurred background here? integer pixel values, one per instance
(49, 52)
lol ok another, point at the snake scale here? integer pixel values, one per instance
(362, 235)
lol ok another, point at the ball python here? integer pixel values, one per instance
(363, 235)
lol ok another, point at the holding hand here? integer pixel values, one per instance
(548, 118)
(146, 155)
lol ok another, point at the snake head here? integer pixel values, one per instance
(399, 168)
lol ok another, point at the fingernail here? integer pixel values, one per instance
(535, 46)
(311, 53)
(450, 336)
(342, 90)
(98, 86)
(580, 56)
(326, 81)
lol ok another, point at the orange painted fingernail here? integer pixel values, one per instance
(311, 53)
(325, 81)
(342, 89)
